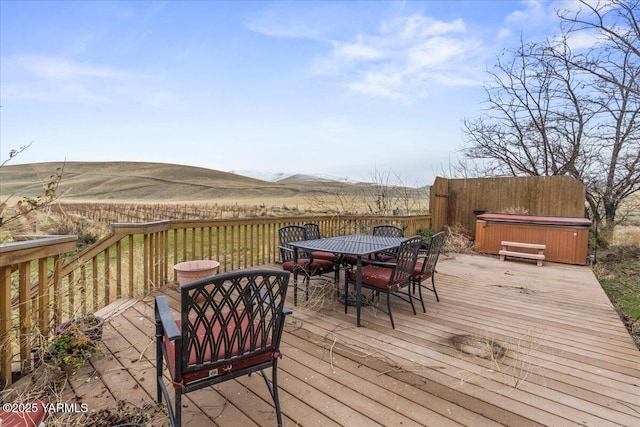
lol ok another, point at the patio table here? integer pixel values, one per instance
(357, 245)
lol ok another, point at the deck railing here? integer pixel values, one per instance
(130, 262)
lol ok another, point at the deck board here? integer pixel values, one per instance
(569, 359)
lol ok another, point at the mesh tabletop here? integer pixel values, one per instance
(354, 244)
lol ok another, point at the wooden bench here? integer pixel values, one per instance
(506, 251)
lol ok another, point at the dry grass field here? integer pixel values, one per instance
(152, 183)
(629, 214)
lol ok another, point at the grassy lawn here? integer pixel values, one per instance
(618, 271)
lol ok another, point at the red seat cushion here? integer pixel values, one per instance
(353, 260)
(376, 276)
(384, 257)
(32, 418)
(318, 255)
(230, 321)
(419, 274)
(318, 265)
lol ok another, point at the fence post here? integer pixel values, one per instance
(5, 326)
(439, 203)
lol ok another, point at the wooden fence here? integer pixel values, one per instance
(458, 201)
(130, 262)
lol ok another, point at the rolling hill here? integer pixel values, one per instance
(153, 182)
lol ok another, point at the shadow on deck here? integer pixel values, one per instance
(509, 344)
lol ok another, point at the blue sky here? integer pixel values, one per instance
(341, 89)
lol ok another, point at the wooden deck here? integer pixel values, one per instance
(568, 359)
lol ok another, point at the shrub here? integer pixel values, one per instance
(70, 350)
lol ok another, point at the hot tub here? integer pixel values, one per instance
(566, 238)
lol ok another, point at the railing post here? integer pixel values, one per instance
(145, 263)
(24, 302)
(57, 314)
(44, 311)
(5, 326)
(131, 265)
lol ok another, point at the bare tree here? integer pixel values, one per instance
(389, 194)
(613, 66)
(551, 110)
(616, 24)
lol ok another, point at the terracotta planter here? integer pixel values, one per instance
(190, 271)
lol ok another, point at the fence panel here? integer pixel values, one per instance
(458, 201)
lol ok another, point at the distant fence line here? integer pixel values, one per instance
(108, 213)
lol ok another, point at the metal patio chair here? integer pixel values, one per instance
(426, 265)
(390, 278)
(27, 414)
(378, 230)
(387, 231)
(313, 232)
(229, 325)
(307, 263)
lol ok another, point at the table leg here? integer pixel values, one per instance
(336, 268)
(358, 289)
(295, 276)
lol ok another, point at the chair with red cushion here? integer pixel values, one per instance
(387, 231)
(229, 325)
(313, 232)
(307, 263)
(379, 230)
(426, 265)
(32, 415)
(391, 278)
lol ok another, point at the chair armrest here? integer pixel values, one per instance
(302, 253)
(163, 314)
(382, 263)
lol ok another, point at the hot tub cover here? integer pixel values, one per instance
(535, 219)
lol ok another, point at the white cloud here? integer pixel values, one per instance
(57, 68)
(453, 80)
(584, 39)
(504, 33)
(438, 51)
(386, 83)
(281, 26)
(535, 14)
(357, 51)
(55, 78)
(403, 58)
(418, 26)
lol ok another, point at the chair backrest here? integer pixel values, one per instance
(313, 230)
(406, 258)
(230, 317)
(291, 233)
(434, 247)
(387, 231)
